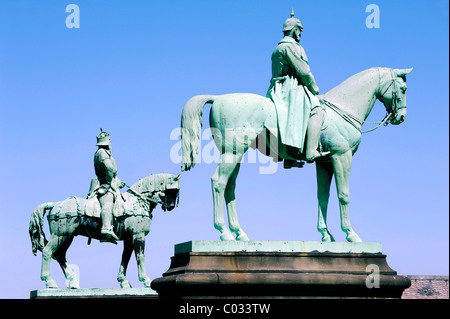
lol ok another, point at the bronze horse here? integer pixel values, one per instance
(68, 219)
(238, 120)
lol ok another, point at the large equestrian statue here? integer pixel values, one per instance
(240, 120)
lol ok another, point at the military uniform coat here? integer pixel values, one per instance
(290, 91)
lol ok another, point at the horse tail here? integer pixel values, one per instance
(37, 235)
(191, 125)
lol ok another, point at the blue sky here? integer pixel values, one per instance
(131, 67)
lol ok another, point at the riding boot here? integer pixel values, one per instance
(312, 136)
(107, 230)
(110, 236)
(106, 214)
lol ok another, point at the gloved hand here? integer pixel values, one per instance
(122, 184)
(314, 88)
(103, 189)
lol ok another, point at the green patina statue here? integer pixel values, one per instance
(243, 120)
(107, 187)
(106, 215)
(293, 89)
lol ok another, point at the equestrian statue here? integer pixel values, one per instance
(106, 214)
(294, 124)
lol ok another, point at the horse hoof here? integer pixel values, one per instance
(353, 238)
(125, 284)
(147, 283)
(74, 284)
(242, 237)
(226, 236)
(327, 238)
(51, 284)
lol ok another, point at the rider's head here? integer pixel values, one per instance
(295, 32)
(103, 139)
(293, 27)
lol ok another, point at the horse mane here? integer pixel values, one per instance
(155, 183)
(347, 94)
(353, 80)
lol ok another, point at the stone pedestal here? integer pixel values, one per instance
(232, 269)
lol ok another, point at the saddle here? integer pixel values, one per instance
(274, 146)
(93, 208)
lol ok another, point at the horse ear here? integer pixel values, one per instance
(402, 72)
(177, 177)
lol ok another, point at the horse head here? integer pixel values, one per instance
(158, 189)
(393, 94)
(170, 196)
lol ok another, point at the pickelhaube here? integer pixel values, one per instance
(103, 138)
(290, 23)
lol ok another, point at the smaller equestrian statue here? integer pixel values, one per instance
(132, 214)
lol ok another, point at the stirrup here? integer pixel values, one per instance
(287, 163)
(110, 236)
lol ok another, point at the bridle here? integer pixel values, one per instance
(155, 190)
(392, 111)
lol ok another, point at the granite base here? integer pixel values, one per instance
(202, 269)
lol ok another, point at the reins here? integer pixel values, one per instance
(352, 119)
(346, 116)
(382, 122)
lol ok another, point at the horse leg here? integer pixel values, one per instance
(219, 181)
(230, 200)
(341, 166)
(324, 172)
(47, 255)
(60, 256)
(127, 250)
(139, 246)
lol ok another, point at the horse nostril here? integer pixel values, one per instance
(402, 118)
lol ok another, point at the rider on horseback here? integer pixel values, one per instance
(106, 171)
(294, 89)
